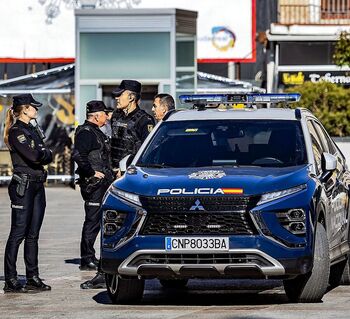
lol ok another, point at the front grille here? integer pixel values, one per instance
(223, 215)
(162, 204)
(199, 259)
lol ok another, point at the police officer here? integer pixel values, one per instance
(130, 124)
(92, 154)
(162, 103)
(26, 190)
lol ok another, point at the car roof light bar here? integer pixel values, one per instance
(201, 99)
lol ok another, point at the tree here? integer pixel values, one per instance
(329, 102)
(341, 56)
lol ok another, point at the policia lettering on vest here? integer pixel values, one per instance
(130, 124)
(26, 189)
(92, 155)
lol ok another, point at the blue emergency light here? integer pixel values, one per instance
(239, 98)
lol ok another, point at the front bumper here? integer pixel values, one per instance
(147, 257)
(236, 263)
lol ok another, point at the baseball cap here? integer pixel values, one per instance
(95, 106)
(130, 85)
(25, 99)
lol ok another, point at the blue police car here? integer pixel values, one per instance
(225, 191)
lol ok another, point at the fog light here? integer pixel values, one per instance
(113, 221)
(293, 220)
(297, 228)
(110, 215)
(296, 214)
(110, 229)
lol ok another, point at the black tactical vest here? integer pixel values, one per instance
(125, 140)
(99, 159)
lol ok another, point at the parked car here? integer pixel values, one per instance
(225, 191)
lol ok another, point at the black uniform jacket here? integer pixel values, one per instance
(27, 149)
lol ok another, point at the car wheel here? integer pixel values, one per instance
(312, 286)
(173, 283)
(124, 291)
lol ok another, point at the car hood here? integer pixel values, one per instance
(187, 181)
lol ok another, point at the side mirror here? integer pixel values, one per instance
(328, 165)
(125, 162)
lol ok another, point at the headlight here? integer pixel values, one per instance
(279, 194)
(133, 198)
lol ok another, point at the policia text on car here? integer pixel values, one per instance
(26, 190)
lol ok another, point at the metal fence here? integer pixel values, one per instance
(314, 12)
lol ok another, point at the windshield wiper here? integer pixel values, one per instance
(154, 165)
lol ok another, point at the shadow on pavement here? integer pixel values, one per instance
(75, 261)
(206, 292)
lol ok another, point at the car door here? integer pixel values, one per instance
(318, 148)
(340, 191)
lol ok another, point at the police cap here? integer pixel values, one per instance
(95, 106)
(25, 99)
(130, 85)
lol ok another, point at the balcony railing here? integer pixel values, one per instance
(314, 12)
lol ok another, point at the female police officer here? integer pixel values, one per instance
(26, 190)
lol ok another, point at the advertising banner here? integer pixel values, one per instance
(225, 28)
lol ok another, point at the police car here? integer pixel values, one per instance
(225, 191)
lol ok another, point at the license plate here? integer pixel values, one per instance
(196, 243)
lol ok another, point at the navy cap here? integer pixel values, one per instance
(130, 85)
(25, 99)
(109, 109)
(95, 106)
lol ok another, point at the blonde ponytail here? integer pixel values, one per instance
(10, 118)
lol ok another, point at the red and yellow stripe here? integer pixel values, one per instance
(232, 190)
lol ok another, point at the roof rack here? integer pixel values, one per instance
(202, 100)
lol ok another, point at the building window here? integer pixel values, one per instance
(335, 9)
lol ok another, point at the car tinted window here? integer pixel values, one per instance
(226, 142)
(317, 148)
(325, 138)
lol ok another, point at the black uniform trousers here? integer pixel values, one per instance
(26, 220)
(92, 222)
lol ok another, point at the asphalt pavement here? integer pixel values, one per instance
(59, 267)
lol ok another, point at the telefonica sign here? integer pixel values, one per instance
(298, 78)
(226, 28)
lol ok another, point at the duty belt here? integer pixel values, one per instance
(33, 178)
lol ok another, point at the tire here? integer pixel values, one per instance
(345, 279)
(173, 283)
(311, 287)
(124, 291)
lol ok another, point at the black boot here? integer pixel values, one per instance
(13, 285)
(88, 265)
(35, 283)
(97, 282)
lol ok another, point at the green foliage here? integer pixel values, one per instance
(341, 56)
(329, 102)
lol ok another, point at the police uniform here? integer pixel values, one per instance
(128, 133)
(92, 153)
(128, 130)
(27, 195)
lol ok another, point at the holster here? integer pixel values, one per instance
(93, 183)
(22, 184)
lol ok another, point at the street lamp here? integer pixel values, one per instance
(52, 7)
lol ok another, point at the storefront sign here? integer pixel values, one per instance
(298, 78)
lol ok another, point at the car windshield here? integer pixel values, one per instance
(210, 143)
